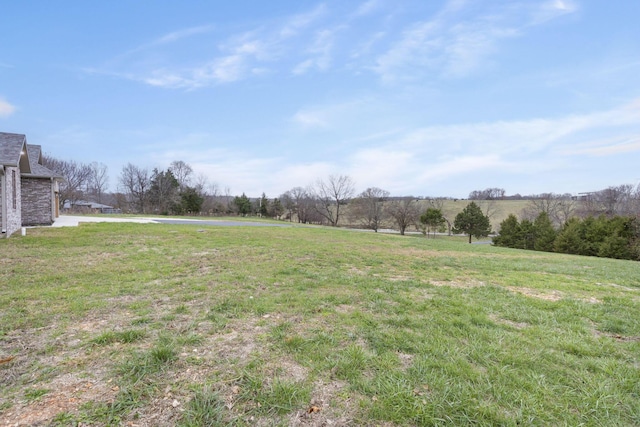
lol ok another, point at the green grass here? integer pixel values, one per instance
(244, 326)
(124, 337)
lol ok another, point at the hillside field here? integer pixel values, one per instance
(499, 210)
(161, 325)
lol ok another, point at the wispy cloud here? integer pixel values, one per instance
(521, 137)
(607, 147)
(330, 115)
(455, 42)
(319, 52)
(367, 7)
(308, 119)
(6, 109)
(181, 34)
(297, 23)
(525, 147)
(233, 58)
(454, 45)
(221, 70)
(166, 39)
(552, 9)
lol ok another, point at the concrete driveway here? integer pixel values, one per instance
(74, 220)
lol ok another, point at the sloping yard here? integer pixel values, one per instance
(160, 325)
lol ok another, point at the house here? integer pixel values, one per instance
(28, 190)
(89, 207)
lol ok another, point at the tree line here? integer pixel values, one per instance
(602, 223)
(601, 236)
(333, 201)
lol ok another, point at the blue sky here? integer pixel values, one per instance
(428, 98)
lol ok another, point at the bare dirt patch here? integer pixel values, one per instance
(406, 360)
(458, 284)
(501, 321)
(327, 407)
(67, 393)
(359, 271)
(552, 295)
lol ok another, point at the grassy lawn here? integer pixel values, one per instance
(149, 324)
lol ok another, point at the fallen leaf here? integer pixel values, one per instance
(313, 409)
(6, 359)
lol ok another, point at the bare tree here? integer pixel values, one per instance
(211, 192)
(487, 194)
(201, 183)
(99, 180)
(405, 212)
(228, 200)
(559, 207)
(136, 182)
(76, 178)
(490, 207)
(619, 200)
(298, 201)
(331, 195)
(288, 204)
(368, 207)
(182, 172)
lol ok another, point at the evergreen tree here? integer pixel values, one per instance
(191, 200)
(243, 204)
(569, 239)
(527, 237)
(509, 233)
(276, 208)
(163, 192)
(472, 221)
(544, 233)
(263, 209)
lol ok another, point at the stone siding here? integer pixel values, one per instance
(36, 202)
(13, 220)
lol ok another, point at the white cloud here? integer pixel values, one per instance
(297, 23)
(387, 168)
(552, 9)
(166, 39)
(331, 115)
(224, 69)
(463, 165)
(320, 52)
(521, 137)
(309, 119)
(237, 57)
(6, 109)
(398, 171)
(452, 45)
(184, 33)
(607, 147)
(367, 7)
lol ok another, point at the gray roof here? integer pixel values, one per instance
(37, 169)
(11, 149)
(84, 203)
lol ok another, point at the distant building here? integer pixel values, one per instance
(89, 207)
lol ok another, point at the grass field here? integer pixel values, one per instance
(152, 325)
